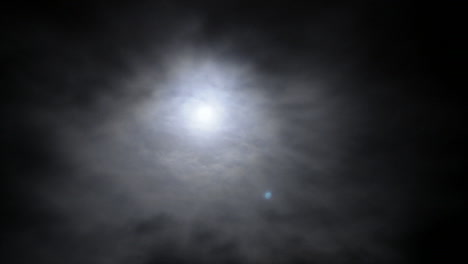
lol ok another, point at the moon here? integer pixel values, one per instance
(205, 115)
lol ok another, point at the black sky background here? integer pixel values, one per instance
(359, 118)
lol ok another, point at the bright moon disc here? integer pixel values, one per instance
(205, 116)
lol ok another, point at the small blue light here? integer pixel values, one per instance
(267, 195)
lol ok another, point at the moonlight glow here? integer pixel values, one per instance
(204, 116)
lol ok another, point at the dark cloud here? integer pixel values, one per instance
(348, 113)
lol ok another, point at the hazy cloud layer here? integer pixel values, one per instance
(316, 105)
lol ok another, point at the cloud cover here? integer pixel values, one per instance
(328, 107)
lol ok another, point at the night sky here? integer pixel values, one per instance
(148, 132)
